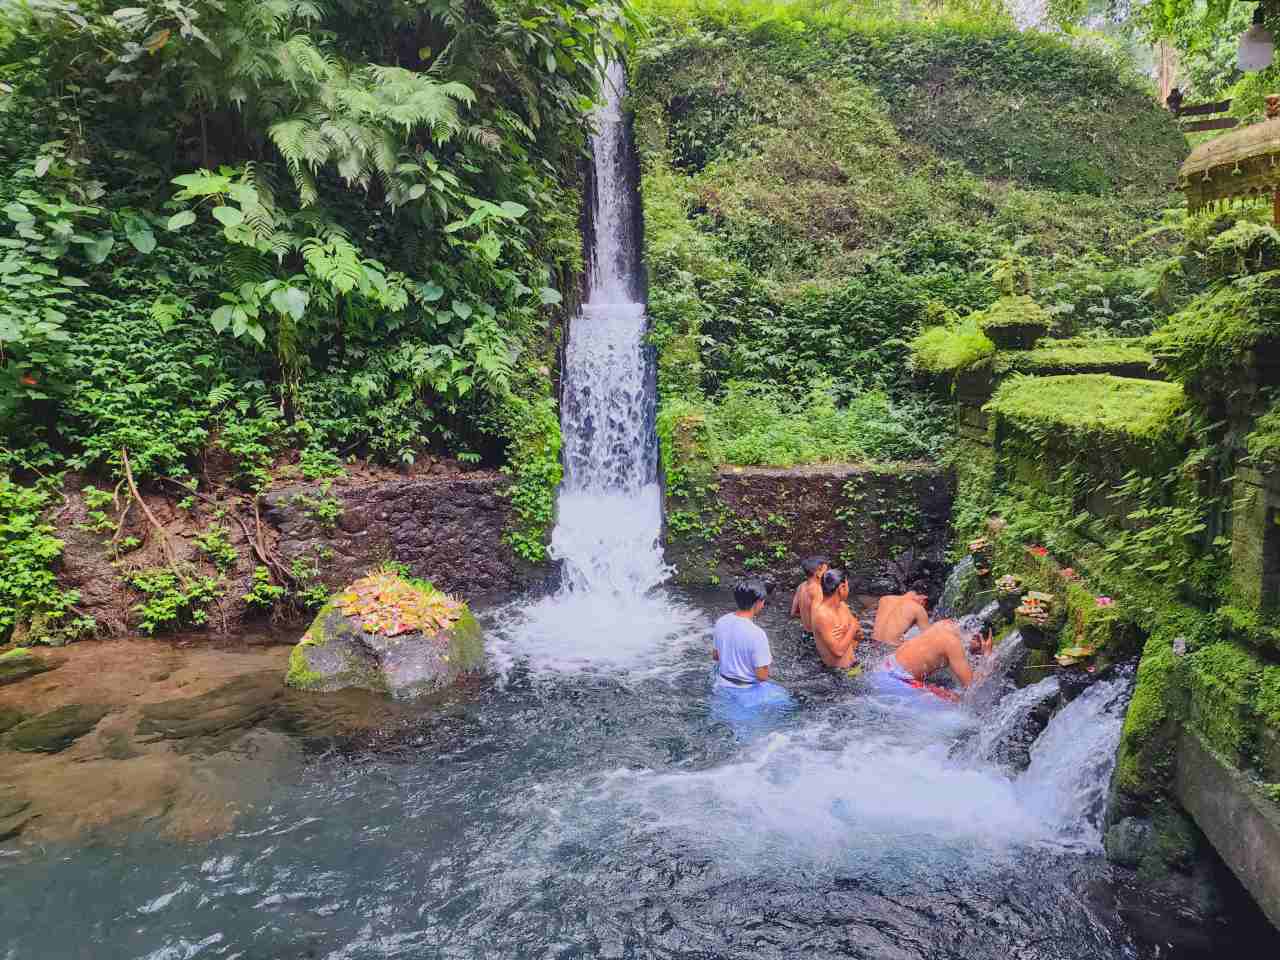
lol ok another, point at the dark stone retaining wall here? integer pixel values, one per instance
(448, 529)
(763, 521)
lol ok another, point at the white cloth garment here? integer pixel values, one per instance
(742, 647)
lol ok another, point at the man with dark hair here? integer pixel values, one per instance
(836, 630)
(945, 644)
(896, 616)
(809, 592)
(740, 648)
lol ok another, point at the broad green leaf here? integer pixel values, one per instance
(138, 232)
(551, 61)
(550, 296)
(183, 218)
(228, 216)
(461, 308)
(100, 247)
(417, 190)
(431, 292)
(221, 318)
(42, 166)
(128, 13)
(290, 301)
(512, 209)
(203, 183)
(72, 282)
(18, 212)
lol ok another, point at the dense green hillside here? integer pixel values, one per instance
(815, 186)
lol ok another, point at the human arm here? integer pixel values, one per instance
(957, 661)
(761, 656)
(795, 601)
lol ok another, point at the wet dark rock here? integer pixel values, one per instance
(15, 813)
(56, 730)
(237, 705)
(21, 664)
(1127, 842)
(374, 635)
(10, 718)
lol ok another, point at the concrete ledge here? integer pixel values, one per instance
(1242, 825)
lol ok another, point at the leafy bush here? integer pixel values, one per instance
(170, 601)
(29, 593)
(763, 425)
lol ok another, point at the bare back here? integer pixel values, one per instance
(836, 631)
(941, 645)
(807, 596)
(895, 616)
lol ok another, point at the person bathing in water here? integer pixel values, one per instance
(809, 593)
(944, 644)
(836, 630)
(740, 648)
(900, 618)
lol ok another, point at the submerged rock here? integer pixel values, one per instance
(10, 718)
(236, 705)
(20, 663)
(388, 634)
(56, 730)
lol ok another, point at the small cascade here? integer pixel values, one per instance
(959, 593)
(1008, 731)
(1070, 772)
(994, 677)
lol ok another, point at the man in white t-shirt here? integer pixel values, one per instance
(741, 649)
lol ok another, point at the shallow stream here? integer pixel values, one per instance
(579, 809)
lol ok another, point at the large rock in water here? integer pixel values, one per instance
(388, 634)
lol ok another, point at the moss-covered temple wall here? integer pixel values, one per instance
(1158, 541)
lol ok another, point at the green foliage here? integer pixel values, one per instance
(317, 463)
(170, 602)
(309, 590)
(762, 425)
(1222, 679)
(324, 509)
(1014, 316)
(30, 597)
(216, 545)
(951, 347)
(373, 233)
(264, 595)
(533, 428)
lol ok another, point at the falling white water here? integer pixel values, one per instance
(609, 518)
(1071, 763)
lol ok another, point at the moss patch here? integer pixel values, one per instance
(1268, 701)
(1091, 406)
(1222, 680)
(951, 348)
(1060, 357)
(1144, 762)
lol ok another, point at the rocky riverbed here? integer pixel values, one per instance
(178, 740)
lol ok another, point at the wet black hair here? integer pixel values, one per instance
(831, 581)
(747, 593)
(810, 565)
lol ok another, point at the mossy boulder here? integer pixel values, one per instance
(388, 634)
(56, 730)
(1015, 323)
(20, 663)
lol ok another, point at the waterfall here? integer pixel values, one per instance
(960, 590)
(606, 615)
(1008, 729)
(610, 509)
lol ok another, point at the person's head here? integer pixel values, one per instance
(834, 584)
(971, 635)
(750, 595)
(814, 566)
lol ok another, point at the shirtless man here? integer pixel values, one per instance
(836, 630)
(809, 593)
(896, 615)
(942, 645)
